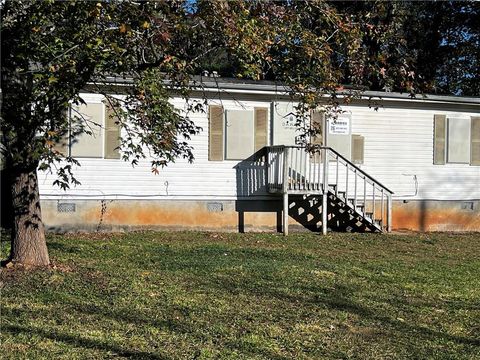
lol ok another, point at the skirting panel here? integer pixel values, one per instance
(242, 215)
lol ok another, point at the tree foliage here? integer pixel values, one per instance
(445, 40)
(412, 46)
(52, 50)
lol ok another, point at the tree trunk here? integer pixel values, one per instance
(29, 247)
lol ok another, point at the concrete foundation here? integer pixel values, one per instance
(242, 215)
(106, 215)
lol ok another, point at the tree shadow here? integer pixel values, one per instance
(64, 247)
(6, 209)
(81, 342)
(173, 324)
(339, 298)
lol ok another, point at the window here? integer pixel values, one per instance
(239, 135)
(91, 118)
(456, 140)
(458, 146)
(236, 134)
(358, 149)
(99, 119)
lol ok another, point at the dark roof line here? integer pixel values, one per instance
(246, 86)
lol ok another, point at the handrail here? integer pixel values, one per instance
(357, 168)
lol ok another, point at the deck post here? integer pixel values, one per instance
(389, 212)
(285, 214)
(285, 190)
(325, 191)
(324, 213)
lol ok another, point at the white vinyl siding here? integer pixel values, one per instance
(398, 151)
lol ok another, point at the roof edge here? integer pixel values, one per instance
(210, 84)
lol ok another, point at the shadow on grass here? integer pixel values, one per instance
(210, 269)
(64, 248)
(339, 299)
(78, 341)
(177, 325)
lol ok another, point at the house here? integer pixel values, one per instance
(412, 164)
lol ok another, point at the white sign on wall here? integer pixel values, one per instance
(339, 134)
(284, 124)
(289, 120)
(341, 126)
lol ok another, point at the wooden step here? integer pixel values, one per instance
(351, 202)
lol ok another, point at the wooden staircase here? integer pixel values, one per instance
(353, 199)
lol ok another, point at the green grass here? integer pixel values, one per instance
(191, 295)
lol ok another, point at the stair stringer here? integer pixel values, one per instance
(307, 210)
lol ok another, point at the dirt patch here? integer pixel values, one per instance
(64, 268)
(11, 272)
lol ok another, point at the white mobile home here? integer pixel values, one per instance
(412, 164)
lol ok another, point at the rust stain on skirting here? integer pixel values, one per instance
(188, 215)
(430, 216)
(435, 219)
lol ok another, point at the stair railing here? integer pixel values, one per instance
(293, 170)
(360, 190)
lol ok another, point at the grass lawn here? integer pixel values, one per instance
(193, 295)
